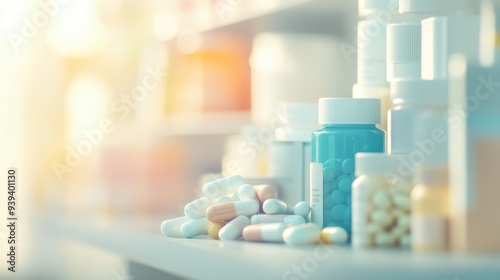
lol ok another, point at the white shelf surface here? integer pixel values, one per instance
(204, 258)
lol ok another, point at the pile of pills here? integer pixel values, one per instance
(231, 209)
(338, 175)
(382, 214)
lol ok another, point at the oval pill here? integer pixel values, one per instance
(214, 229)
(304, 234)
(247, 192)
(275, 206)
(194, 228)
(264, 232)
(223, 186)
(234, 228)
(285, 219)
(302, 208)
(196, 209)
(172, 227)
(230, 210)
(334, 235)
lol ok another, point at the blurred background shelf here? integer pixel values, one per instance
(255, 15)
(203, 258)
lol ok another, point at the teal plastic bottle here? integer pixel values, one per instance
(348, 128)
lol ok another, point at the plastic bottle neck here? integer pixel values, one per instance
(349, 125)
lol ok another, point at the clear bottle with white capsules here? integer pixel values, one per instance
(348, 128)
(381, 202)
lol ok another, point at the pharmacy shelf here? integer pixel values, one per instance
(227, 13)
(204, 258)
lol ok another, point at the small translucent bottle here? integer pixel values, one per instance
(430, 209)
(381, 202)
(348, 128)
(290, 154)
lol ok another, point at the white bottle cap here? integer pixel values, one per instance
(444, 36)
(431, 175)
(349, 111)
(403, 50)
(438, 6)
(366, 7)
(301, 119)
(378, 164)
(372, 53)
(432, 92)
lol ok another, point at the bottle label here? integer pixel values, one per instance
(429, 230)
(316, 185)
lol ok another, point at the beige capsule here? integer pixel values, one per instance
(230, 210)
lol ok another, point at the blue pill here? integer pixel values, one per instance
(328, 187)
(345, 185)
(338, 212)
(347, 166)
(348, 199)
(341, 178)
(338, 197)
(327, 202)
(328, 174)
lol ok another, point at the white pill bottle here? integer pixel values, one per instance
(381, 201)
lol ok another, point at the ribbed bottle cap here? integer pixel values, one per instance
(403, 50)
(431, 175)
(349, 111)
(420, 91)
(438, 6)
(377, 164)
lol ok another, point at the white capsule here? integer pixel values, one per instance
(381, 199)
(285, 219)
(247, 192)
(224, 199)
(195, 228)
(402, 201)
(234, 228)
(304, 234)
(403, 221)
(196, 208)
(275, 206)
(302, 209)
(381, 217)
(384, 239)
(264, 232)
(221, 187)
(172, 227)
(334, 235)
